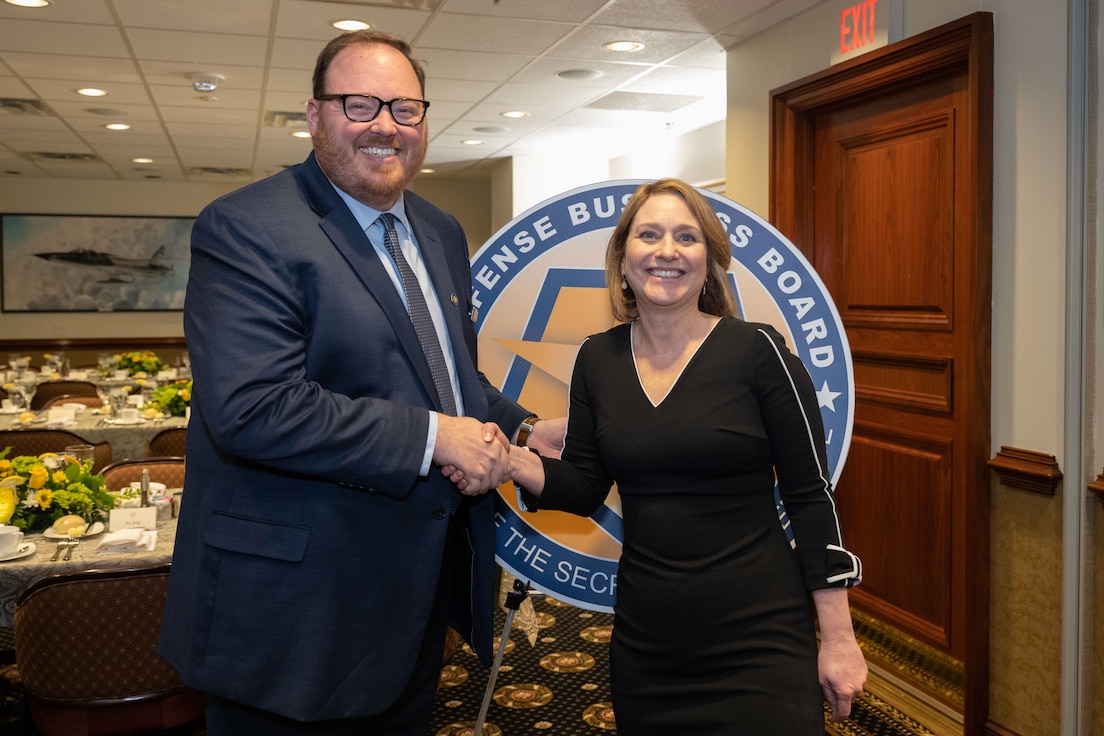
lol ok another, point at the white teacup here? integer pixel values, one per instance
(122, 374)
(128, 415)
(10, 537)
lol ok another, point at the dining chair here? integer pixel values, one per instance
(37, 441)
(92, 402)
(167, 443)
(47, 390)
(167, 470)
(86, 648)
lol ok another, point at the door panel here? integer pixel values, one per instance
(881, 174)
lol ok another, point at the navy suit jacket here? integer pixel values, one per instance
(308, 548)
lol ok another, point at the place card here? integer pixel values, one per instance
(139, 518)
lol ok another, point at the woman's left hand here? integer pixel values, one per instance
(842, 674)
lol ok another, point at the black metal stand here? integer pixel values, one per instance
(513, 602)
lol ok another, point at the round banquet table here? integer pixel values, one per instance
(16, 574)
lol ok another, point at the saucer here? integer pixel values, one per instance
(26, 549)
(96, 527)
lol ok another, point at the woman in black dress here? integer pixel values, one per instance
(694, 413)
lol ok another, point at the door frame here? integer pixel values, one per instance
(965, 44)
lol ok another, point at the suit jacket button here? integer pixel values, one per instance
(439, 513)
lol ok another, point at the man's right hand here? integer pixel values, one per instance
(478, 451)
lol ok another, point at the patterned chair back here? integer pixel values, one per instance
(47, 390)
(68, 626)
(167, 470)
(37, 441)
(92, 402)
(168, 443)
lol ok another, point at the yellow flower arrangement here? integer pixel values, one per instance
(36, 491)
(174, 398)
(139, 361)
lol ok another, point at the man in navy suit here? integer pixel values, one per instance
(320, 551)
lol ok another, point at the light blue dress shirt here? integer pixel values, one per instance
(366, 217)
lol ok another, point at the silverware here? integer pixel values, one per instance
(68, 545)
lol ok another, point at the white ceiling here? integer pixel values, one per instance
(482, 58)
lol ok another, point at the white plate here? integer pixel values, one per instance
(26, 549)
(96, 528)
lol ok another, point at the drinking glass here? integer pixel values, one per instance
(147, 390)
(103, 390)
(81, 453)
(25, 386)
(118, 399)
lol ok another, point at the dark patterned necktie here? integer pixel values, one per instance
(420, 317)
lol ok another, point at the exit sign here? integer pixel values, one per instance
(859, 26)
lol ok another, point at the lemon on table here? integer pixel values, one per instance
(7, 498)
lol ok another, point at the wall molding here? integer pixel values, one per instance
(995, 729)
(1032, 471)
(1097, 487)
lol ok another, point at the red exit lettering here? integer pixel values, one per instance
(857, 26)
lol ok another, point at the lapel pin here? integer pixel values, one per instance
(455, 301)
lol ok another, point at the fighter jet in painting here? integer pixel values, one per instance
(154, 265)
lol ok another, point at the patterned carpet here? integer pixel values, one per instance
(560, 686)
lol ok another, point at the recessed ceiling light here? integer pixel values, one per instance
(514, 114)
(29, 3)
(623, 46)
(351, 25)
(141, 160)
(91, 92)
(117, 126)
(472, 142)
(428, 171)
(301, 134)
(576, 75)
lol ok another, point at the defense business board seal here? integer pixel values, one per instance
(539, 290)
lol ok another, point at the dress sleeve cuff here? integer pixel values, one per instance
(841, 568)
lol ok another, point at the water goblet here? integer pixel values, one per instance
(81, 453)
(118, 399)
(103, 390)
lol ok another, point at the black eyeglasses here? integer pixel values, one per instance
(365, 108)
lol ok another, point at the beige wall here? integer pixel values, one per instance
(1029, 231)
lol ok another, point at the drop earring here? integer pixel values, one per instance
(624, 284)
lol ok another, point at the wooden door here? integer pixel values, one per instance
(881, 174)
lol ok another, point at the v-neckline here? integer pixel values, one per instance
(636, 367)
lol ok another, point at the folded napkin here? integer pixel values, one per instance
(60, 423)
(127, 540)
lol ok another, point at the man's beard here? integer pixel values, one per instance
(383, 184)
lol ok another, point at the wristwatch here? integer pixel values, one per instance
(526, 429)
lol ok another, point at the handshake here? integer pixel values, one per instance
(476, 455)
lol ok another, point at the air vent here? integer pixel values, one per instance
(217, 171)
(643, 102)
(12, 106)
(278, 119)
(58, 156)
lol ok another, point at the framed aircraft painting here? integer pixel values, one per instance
(93, 263)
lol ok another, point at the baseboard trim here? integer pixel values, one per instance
(995, 729)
